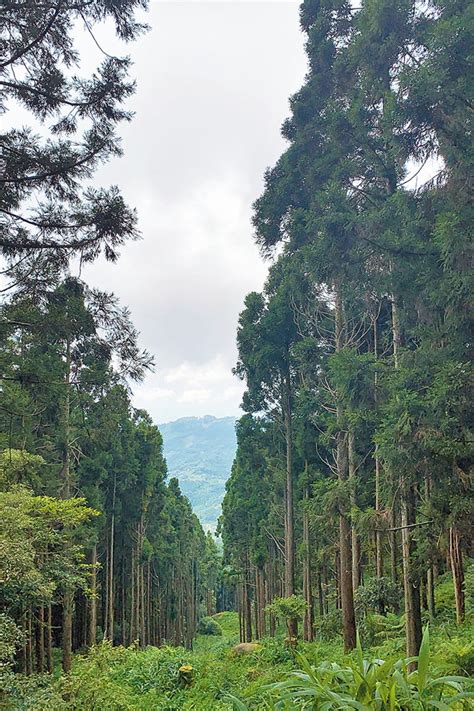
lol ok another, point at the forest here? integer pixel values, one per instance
(341, 574)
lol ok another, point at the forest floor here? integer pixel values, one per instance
(118, 679)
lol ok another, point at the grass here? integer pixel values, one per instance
(119, 679)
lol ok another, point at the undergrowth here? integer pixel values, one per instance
(128, 679)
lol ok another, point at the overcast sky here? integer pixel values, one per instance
(214, 80)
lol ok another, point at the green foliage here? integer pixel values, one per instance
(11, 637)
(209, 626)
(329, 626)
(116, 678)
(292, 607)
(20, 467)
(373, 685)
(375, 628)
(377, 594)
(29, 526)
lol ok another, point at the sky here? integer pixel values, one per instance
(214, 79)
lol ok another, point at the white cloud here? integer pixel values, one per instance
(213, 85)
(214, 372)
(198, 396)
(152, 394)
(192, 388)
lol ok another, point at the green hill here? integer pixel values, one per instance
(199, 451)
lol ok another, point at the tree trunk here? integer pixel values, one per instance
(410, 582)
(68, 595)
(40, 640)
(307, 582)
(92, 627)
(430, 590)
(68, 606)
(393, 545)
(378, 533)
(430, 583)
(455, 555)
(345, 555)
(247, 608)
(355, 540)
(49, 640)
(110, 572)
(289, 537)
(29, 643)
(132, 598)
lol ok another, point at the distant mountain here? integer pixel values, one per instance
(199, 452)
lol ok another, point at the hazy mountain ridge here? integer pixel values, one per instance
(199, 451)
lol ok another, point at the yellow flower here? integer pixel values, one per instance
(185, 668)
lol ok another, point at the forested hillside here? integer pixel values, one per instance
(345, 578)
(199, 452)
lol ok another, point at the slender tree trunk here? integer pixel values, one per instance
(132, 598)
(149, 617)
(393, 545)
(49, 640)
(430, 590)
(307, 582)
(320, 595)
(68, 595)
(289, 512)
(347, 592)
(378, 533)
(247, 608)
(326, 587)
(142, 607)
(92, 627)
(123, 605)
(40, 640)
(68, 608)
(110, 572)
(379, 567)
(455, 555)
(29, 643)
(430, 583)
(411, 584)
(410, 581)
(289, 538)
(355, 539)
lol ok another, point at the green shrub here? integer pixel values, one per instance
(209, 626)
(378, 595)
(372, 684)
(375, 629)
(291, 609)
(329, 626)
(11, 637)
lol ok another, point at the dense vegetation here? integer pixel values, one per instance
(347, 518)
(353, 474)
(94, 543)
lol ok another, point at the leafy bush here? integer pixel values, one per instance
(290, 608)
(374, 629)
(209, 626)
(378, 595)
(30, 693)
(456, 655)
(11, 637)
(373, 684)
(329, 626)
